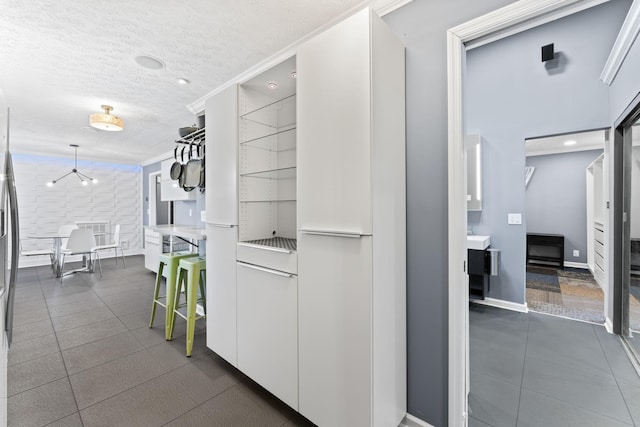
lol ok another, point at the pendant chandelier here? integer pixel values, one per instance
(106, 121)
(83, 178)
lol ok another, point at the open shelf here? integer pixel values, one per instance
(277, 114)
(275, 242)
(280, 140)
(282, 173)
(267, 160)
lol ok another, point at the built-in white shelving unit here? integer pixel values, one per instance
(267, 160)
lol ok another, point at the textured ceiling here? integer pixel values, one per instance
(60, 60)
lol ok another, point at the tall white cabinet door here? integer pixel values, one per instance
(334, 128)
(222, 157)
(221, 291)
(335, 336)
(267, 330)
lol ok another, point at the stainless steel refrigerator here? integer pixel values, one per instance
(9, 254)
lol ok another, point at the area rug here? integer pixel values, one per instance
(568, 292)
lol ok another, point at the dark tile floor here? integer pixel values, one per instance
(83, 355)
(540, 370)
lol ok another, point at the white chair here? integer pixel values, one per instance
(63, 232)
(81, 242)
(39, 252)
(115, 245)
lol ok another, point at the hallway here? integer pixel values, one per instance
(540, 370)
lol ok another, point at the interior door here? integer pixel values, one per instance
(335, 335)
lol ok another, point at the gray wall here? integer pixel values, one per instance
(422, 26)
(556, 200)
(511, 96)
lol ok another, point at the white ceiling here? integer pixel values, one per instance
(62, 59)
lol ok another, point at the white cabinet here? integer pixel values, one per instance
(268, 330)
(596, 230)
(152, 250)
(221, 291)
(222, 219)
(335, 330)
(222, 157)
(334, 116)
(351, 216)
(169, 188)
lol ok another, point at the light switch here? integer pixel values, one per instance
(203, 216)
(514, 218)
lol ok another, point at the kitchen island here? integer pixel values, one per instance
(154, 235)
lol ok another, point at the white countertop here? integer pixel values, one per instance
(184, 231)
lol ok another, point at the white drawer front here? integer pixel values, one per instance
(268, 330)
(274, 258)
(598, 235)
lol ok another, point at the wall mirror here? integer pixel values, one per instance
(473, 151)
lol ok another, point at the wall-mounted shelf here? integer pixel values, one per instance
(196, 137)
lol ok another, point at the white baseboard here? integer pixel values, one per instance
(582, 265)
(608, 325)
(411, 421)
(507, 305)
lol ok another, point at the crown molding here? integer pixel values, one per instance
(381, 7)
(626, 37)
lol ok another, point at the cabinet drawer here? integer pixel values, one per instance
(599, 259)
(598, 235)
(275, 258)
(598, 248)
(151, 237)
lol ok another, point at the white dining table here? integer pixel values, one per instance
(57, 247)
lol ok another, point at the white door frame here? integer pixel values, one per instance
(512, 19)
(151, 191)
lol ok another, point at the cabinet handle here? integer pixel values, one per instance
(221, 225)
(346, 234)
(266, 270)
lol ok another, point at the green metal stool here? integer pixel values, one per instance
(192, 275)
(171, 261)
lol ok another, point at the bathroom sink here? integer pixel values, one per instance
(478, 242)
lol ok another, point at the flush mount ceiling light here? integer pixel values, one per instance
(106, 121)
(272, 85)
(294, 74)
(182, 81)
(83, 178)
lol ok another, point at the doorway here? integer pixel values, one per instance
(627, 229)
(499, 24)
(160, 212)
(567, 225)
